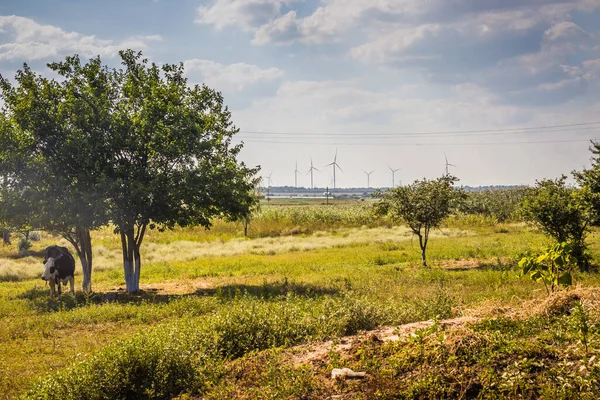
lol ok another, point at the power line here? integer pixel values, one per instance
(425, 144)
(486, 132)
(389, 136)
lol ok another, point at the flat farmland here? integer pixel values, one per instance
(311, 288)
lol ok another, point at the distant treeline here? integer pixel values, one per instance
(502, 204)
(303, 190)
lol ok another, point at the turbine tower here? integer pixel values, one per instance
(448, 165)
(310, 171)
(269, 181)
(393, 175)
(296, 172)
(334, 164)
(368, 177)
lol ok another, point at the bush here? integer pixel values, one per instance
(23, 247)
(188, 355)
(561, 213)
(35, 236)
(156, 365)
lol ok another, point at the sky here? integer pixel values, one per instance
(507, 90)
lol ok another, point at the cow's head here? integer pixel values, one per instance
(52, 252)
(50, 270)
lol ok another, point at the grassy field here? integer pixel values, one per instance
(220, 315)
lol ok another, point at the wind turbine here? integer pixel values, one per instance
(296, 172)
(269, 181)
(334, 164)
(368, 177)
(393, 175)
(310, 171)
(448, 165)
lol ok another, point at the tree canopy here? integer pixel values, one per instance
(136, 146)
(50, 158)
(589, 180)
(562, 213)
(422, 205)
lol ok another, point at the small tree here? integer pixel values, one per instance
(560, 212)
(422, 206)
(553, 267)
(589, 179)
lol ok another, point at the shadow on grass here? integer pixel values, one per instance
(482, 265)
(11, 277)
(30, 253)
(40, 300)
(268, 290)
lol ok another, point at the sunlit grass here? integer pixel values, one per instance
(192, 273)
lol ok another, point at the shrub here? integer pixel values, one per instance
(553, 267)
(188, 355)
(35, 236)
(23, 247)
(561, 213)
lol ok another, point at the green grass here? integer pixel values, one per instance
(494, 358)
(210, 300)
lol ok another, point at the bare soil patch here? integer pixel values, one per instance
(317, 352)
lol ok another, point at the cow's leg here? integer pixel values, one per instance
(72, 282)
(59, 291)
(52, 287)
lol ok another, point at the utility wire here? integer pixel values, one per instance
(384, 136)
(422, 144)
(537, 129)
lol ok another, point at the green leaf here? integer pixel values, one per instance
(565, 279)
(536, 276)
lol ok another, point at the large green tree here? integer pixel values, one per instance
(135, 146)
(50, 154)
(422, 206)
(562, 213)
(172, 161)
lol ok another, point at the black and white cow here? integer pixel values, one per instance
(59, 267)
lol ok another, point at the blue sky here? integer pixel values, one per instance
(372, 79)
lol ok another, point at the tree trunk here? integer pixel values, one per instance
(132, 264)
(6, 238)
(82, 242)
(85, 256)
(423, 245)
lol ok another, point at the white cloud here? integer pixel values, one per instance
(347, 107)
(233, 77)
(285, 29)
(335, 19)
(244, 14)
(566, 31)
(30, 40)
